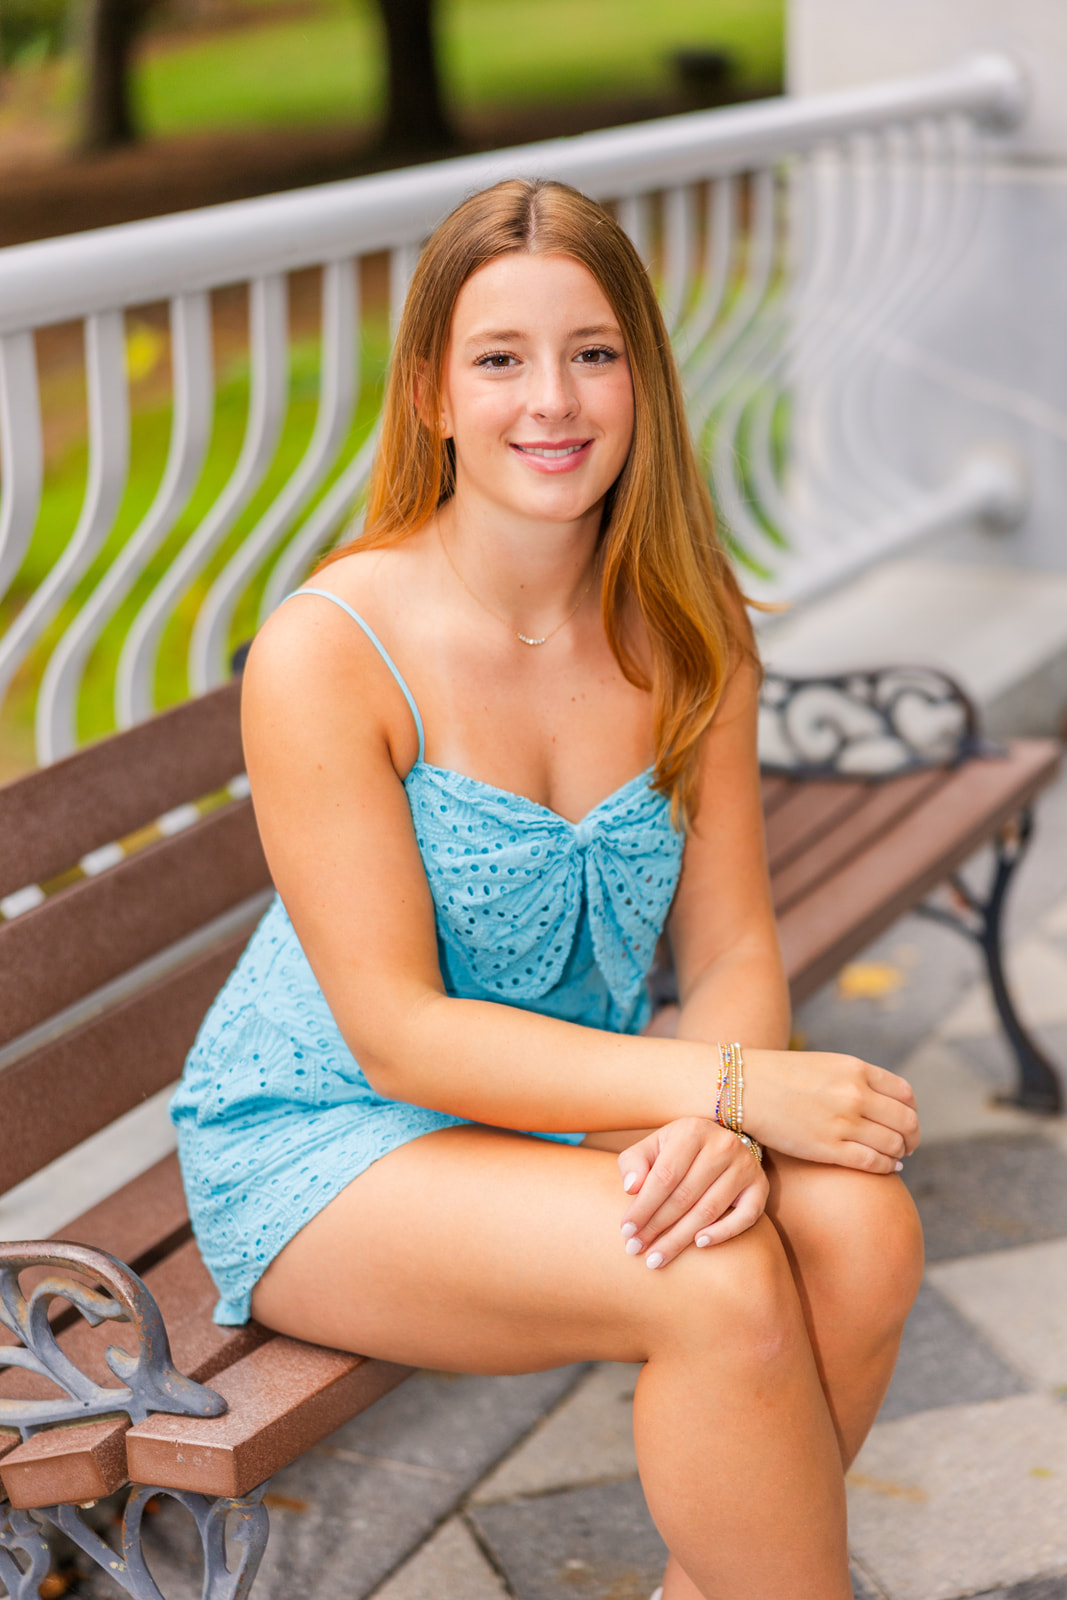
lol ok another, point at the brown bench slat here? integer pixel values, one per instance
(284, 1398)
(883, 805)
(820, 932)
(86, 1462)
(51, 818)
(55, 1097)
(96, 930)
(809, 812)
(140, 1223)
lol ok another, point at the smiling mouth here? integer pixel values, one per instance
(553, 454)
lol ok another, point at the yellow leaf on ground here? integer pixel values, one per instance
(869, 980)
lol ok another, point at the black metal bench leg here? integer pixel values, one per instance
(248, 1528)
(1038, 1086)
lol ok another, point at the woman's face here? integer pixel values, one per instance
(536, 389)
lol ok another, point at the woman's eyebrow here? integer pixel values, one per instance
(509, 335)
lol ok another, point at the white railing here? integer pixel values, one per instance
(790, 241)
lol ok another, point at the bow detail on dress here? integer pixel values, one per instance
(510, 880)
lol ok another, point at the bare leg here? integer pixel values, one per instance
(855, 1246)
(514, 1244)
(855, 1249)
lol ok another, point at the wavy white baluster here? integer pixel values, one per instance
(752, 358)
(713, 366)
(191, 361)
(336, 504)
(266, 408)
(722, 360)
(21, 451)
(818, 244)
(634, 219)
(318, 530)
(109, 456)
(402, 263)
(750, 405)
(819, 348)
(895, 195)
(678, 240)
(324, 522)
(338, 383)
(718, 253)
(948, 208)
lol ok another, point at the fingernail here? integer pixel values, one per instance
(629, 1181)
(702, 1240)
(629, 1229)
(634, 1247)
(899, 1167)
(654, 1260)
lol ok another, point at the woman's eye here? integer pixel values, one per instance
(496, 360)
(598, 356)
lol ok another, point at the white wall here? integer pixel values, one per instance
(833, 44)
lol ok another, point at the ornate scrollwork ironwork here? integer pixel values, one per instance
(244, 1521)
(20, 1535)
(871, 724)
(114, 1294)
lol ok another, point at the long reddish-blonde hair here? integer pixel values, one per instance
(659, 549)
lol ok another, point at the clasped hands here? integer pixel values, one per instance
(693, 1182)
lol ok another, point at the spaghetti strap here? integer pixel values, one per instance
(382, 651)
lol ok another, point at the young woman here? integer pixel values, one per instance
(495, 746)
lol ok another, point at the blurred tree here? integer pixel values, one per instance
(109, 118)
(415, 118)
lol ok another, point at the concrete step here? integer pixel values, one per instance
(1000, 631)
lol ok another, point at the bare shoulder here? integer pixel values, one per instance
(314, 679)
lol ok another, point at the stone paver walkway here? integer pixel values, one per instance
(458, 1488)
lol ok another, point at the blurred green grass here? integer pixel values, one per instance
(326, 67)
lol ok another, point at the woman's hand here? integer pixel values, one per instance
(692, 1181)
(831, 1108)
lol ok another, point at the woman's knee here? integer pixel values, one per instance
(857, 1240)
(737, 1299)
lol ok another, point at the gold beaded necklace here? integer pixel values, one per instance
(479, 601)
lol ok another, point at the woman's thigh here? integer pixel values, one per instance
(476, 1250)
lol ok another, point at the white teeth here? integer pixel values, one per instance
(550, 455)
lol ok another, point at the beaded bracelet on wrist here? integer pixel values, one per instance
(730, 1094)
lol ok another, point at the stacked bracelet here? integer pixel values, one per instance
(730, 1095)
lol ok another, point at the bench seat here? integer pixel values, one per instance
(284, 1396)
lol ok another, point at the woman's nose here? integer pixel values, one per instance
(550, 393)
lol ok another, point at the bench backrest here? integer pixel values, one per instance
(130, 877)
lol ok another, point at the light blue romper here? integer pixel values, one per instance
(274, 1116)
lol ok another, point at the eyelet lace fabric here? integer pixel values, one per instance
(511, 881)
(274, 1115)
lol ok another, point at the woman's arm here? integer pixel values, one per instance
(815, 1105)
(731, 984)
(327, 733)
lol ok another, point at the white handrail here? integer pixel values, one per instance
(792, 243)
(60, 279)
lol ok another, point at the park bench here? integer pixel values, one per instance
(107, 966)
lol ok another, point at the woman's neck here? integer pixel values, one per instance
(527, 571)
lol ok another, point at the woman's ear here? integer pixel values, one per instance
(440, 423)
